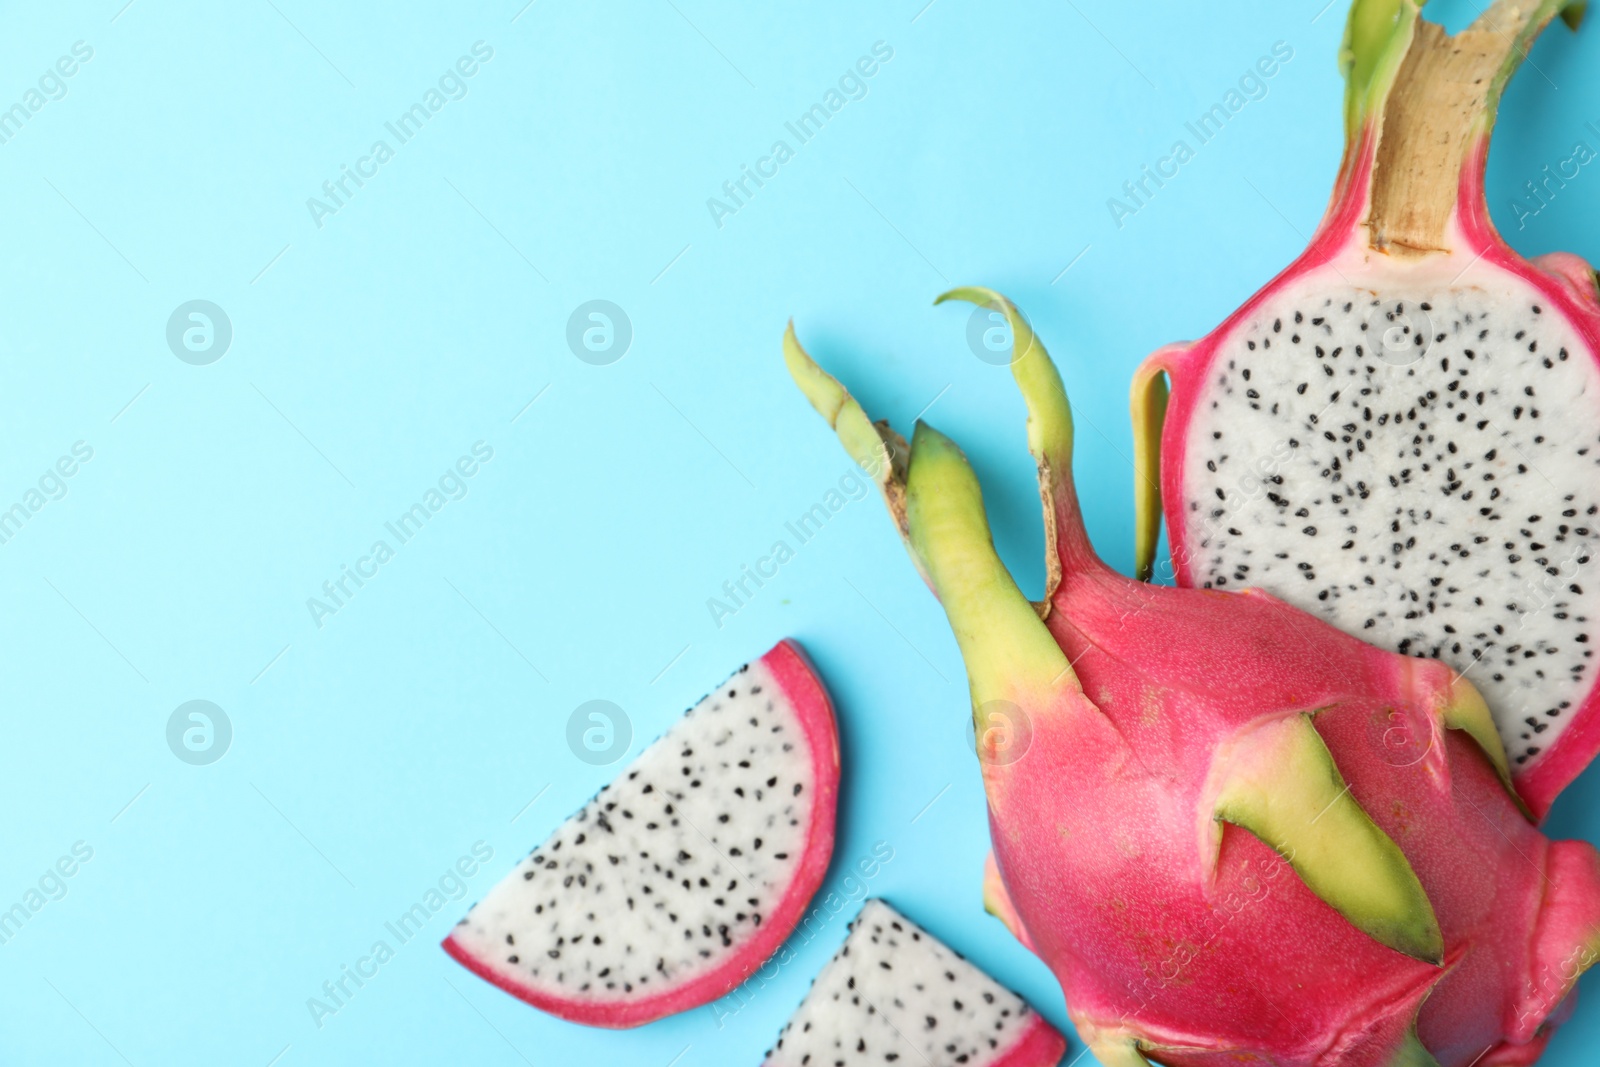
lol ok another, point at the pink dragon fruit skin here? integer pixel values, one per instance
(1235, 834)
(1408, 235)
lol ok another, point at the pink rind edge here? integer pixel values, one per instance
(1575, 749)
(794, 673)
(1042, 1045)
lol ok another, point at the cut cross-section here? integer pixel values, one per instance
(682, 875)
(895, 994)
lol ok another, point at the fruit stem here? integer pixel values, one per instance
(1009, 654)
(936, 502)
(1050, 435)
(1420, 101)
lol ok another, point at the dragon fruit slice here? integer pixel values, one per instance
(686, 872)
(895, 993)
(1400, 433)
(1235, 833)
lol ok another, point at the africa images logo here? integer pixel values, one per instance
(851, 85)
(52, 85)
(453, 484)
(451, 85)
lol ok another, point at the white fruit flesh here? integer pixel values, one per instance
(893, 993)
(1413, 465)
(664, 874)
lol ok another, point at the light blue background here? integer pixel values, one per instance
(425, 315)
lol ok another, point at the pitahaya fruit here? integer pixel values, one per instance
(895, 993)
(683, 874)
(1235, 833)
(1400, 433)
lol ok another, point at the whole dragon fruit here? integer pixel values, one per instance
(1235, 833)
(1399, 434)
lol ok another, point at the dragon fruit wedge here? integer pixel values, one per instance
(1234, 832)
(686, 872)
(894, 993)
(1400, 433)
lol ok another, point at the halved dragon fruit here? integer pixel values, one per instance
(895, 993)
(1400, 433)
(682, 875)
